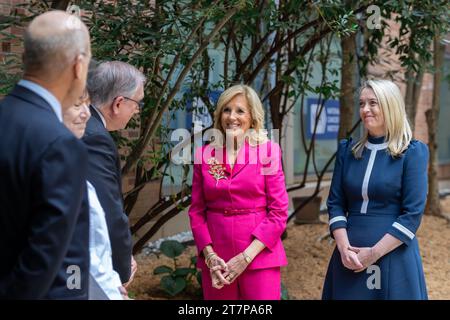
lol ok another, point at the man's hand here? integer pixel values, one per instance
(133, 272)
(124, 293)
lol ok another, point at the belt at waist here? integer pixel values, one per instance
(234, 211)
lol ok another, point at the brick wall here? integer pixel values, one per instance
(8, 46)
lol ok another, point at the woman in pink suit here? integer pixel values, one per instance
(239, 203)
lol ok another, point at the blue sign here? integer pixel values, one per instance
(328, 122)
(197, 111)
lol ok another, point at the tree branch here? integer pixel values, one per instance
(143, 141)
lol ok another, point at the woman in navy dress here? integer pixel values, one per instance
(376, 201)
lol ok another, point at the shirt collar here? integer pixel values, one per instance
(376, 146)
(44, 94)
(100, 114)
(376, 143)
(376, 140)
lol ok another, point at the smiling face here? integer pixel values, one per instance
(76, 117)
(236, 117)
(370, 113)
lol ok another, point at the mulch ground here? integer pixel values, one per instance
(308, 257)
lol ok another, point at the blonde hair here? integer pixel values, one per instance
(398, 133)
(258, 134)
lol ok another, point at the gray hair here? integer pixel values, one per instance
(53, 53)
(111, 79)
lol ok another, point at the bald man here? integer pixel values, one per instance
(43, 167)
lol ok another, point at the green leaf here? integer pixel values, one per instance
(183, 272)
(172, 248)
(173, 286)
(132, 294)
(284, 292)
(162, 269)
(199, 278)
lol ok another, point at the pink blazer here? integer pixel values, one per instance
(237, 205)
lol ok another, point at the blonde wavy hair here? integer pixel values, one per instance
(398, 133)
(256, 136)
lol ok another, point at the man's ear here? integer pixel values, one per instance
(78, 67)
(116, 104)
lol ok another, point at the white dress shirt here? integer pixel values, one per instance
(101, 268)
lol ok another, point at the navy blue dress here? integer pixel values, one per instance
(370, 197)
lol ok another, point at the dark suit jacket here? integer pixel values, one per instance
(104, 174)
(73, 283)
(42, 183)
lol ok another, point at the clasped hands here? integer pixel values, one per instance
(358, 259)
(224, 273)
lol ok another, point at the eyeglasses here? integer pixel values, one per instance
(139, 103)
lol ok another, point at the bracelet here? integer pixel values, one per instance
(208, 258)
(246, 257)
(210, 254)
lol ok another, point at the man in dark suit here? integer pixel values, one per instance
(116, 90)
(43, 167)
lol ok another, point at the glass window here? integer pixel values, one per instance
(444, 116)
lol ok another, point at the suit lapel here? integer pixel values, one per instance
(242, 159)
(95, 114)
(228, 169)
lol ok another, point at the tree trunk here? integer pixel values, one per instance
(60, 4)
(348, 85)
(275, 102)
(433, 204)
(413, 87)
(275, 94)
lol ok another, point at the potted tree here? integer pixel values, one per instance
(310, 212)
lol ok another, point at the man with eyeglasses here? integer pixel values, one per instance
(116, 90)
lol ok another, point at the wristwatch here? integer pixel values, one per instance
(247, 257)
